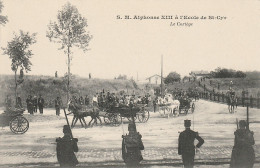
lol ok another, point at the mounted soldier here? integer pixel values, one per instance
(243, 155)
(131, 146)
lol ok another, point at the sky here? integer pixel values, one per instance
(132, 47)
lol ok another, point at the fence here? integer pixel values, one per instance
(222, 98)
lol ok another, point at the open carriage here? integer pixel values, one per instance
(13, 117)
(115, 114)
(186, 105)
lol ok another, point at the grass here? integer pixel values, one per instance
(51, 87)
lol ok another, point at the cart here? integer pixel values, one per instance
(186, 105)
(13, 117)
(114, 115)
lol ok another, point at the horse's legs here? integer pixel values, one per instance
(84, 121)
(74, 121)
(99, 120)
(80, 120)
(90, 121)
(95, 120)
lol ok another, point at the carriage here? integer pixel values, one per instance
(13, 117)
(186, 105)
(115, 114)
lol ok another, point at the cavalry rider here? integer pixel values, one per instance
(243, 155)
(131, 146)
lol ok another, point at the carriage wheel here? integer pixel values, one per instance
(107, 118)
(117, 119)
(143, 116)
(19, 125)
(192, 107)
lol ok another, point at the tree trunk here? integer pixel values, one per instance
(68, 89)
(15, 87)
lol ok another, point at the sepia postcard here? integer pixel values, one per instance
(130, 83)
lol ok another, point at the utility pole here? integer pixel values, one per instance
(162, 75)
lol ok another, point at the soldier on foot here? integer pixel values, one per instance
(66, 146)
(243, 154)
(186, 146)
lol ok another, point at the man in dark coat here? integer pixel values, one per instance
(19, 102)
(66, 146)
(131, 146)
(186, 146)
(29, 103)
(243, 154)
(58, 104)
(86, 100)
(40, 104)
(35, 103)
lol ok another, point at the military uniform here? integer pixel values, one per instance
(34, 104)
(40, 104)
(131, 147)
(186, 146)
(29, 103)
(57, 105)
(19, 102)
(66, 146)
(243, 155)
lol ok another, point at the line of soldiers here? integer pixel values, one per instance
(243, 155)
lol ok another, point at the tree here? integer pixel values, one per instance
(3, 19)
(69, 31)
(172, 77)
(19, 53)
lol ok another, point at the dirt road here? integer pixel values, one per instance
(102, 144)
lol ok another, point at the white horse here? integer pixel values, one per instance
(168, 105)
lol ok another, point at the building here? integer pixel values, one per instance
(199, 74)
(155, 79)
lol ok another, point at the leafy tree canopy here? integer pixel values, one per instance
(172, 77)
(3, 19)
(69, 29)
(18, 50)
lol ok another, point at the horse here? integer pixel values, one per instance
(232, 101)
(79, 112)
(167, 104)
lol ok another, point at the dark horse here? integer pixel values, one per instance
(231, 103)
(79, 112)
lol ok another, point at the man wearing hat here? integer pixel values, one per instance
(40, 104)
(243, 154)
(131, 146)
(186, 146)
(66, 146)
(58, 104)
